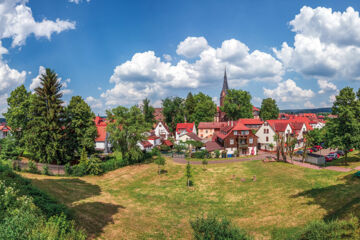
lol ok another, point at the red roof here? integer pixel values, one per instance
(240, 127)
(185, 126)
(153, 137)
(101, 131)
(211, 125)
(256, 109)
(168, 143)
(146, 144)
(278, 125)
(251, 121)
(212, 146)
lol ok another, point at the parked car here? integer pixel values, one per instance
(318, 147)
(300, 152)
(314, 149)
(340, 152)
(329, 158)
(334, 155)
(351, 150)
(309, 150)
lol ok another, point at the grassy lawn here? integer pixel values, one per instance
(353, 160)
(217, 159)
(136, 203)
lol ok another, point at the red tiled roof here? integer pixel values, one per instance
(185, 126)
(99, 121)
(153, 137)
(255, 109)
(278, 125)
(146, 144)
(101, 131)
(251, 121)
(240, 127)
(211, 125)
(212, 146)
(193, 136)
(168, 143)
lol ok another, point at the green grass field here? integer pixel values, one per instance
(136, 203)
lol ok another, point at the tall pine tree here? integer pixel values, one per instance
(45, 135)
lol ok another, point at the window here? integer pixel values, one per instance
(206, 131)
(231, 141)
(251, 140)
(246, 132)
(235, 132)
(264, 130)
(267, 139)
(201, 135)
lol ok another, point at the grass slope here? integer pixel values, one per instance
(136, 203)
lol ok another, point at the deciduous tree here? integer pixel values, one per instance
(237, 104)
(269, 109)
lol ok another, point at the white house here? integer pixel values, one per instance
(4, 131)
(161, 130)
(145, 146)
(183, 128)
(154, 140)
(317, 124)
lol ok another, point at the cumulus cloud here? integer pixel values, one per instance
(326, 86)
(167, 57)
(192, 46)
(288, 91)
(327, 44)
(146, 75)
(77, 1)
(17, 23)
(95, 104)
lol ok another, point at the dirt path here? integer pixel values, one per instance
(262, 156)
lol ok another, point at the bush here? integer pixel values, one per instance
(16, 166)
(9, 149)
(79, 170)
(331, 230)
(208, 228)
(93, 166)
(46, 170)
(165, 148)
(200, 154)
(32, 167)
(68, 170)
(217, 153)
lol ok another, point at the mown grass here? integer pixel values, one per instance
(219, 159)
(135, 202)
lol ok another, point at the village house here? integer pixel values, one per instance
(145, 146)
(161, 130)
(102, 140)
(252, 123)
(4, 130)
(237, 137)
(182, 129)
(206, 130)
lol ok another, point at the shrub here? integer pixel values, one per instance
(208, 228)
(165, 148)
(200, 154)
(217, 153)
(332, 230)
(9, 149)
(32, 167)
(78, 170)
(68, 170)
(93, 166)
(46, 170)
(16, 166)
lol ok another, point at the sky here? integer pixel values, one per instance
(112, 53)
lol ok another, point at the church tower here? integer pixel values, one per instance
(224, 90)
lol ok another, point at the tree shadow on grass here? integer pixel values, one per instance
(68, 190)
(94, 216)
(340, 201)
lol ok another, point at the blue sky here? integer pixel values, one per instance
(118, 52)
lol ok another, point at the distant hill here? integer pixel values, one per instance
(314, 110)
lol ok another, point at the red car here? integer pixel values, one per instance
(309, 150)
(318, 147)
(329, 158)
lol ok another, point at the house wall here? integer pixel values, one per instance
(160, 130)
(231, 143)
(264, 139)
(206, 133)
(100, 145)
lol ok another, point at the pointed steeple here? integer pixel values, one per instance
(225, 84)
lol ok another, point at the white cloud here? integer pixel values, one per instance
(167, 57)
(326, 46)
(77, 1)
(96, 105)
(309, 104)
(192, 46)
(17, 23)
(326, 86)
(145, 75)
(288, 91)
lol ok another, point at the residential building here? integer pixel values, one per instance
(145, 146)
(183, 128)
(102, 140)
(161, 130)
(206, 130)
(252, 123)
(4, 130)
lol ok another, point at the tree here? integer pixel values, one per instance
(204, 163)
(17, 115)
(160, 161)
(344, 131)
(45, 136)
(205, 109)
(148, 111)
(173, 111)
(81, 120)
(189, 107)
(269, 109)
(237, 104)
(290, 145)
(317, 136)
(188, 173)
(126, 129)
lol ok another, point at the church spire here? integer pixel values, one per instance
(225, 84)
